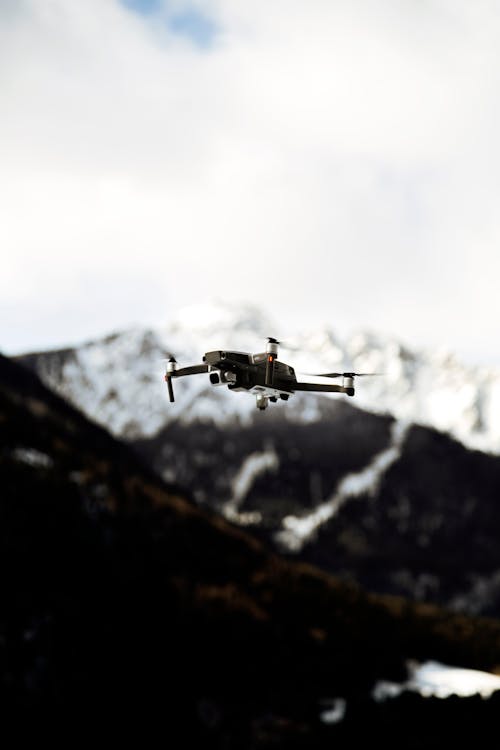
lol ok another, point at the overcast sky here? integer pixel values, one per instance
(330, 160)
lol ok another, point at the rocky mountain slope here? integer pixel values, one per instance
(125, 603)
(404, 509)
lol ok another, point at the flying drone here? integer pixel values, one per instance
(262, 375)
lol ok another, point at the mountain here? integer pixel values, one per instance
(385, 500)
(118, 380)
(402, 509)
(126, 608)
(426, 529)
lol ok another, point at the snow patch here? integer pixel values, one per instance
(439, 680)
(298, 531)
(334, 711)
(253, 466)
(33, 457)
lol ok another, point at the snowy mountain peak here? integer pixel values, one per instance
(119, 380)
(218, 324)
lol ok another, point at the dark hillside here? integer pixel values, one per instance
(427, 529)
(125, 602)
(312, 457)
(431, 531)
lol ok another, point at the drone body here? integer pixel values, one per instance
(260, 374)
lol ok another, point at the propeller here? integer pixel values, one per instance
(343, 374)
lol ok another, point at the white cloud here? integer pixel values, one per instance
(339, 158)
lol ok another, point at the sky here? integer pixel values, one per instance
(327, 160)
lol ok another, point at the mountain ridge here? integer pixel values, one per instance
(118, 379)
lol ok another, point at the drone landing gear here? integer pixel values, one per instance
(262, 401)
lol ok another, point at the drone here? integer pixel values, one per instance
(261, 375)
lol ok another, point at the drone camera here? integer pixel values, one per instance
(222, 378)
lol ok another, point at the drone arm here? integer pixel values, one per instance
(172, 372)
(323, 388)
(168, 381)
(270, 369)
(272, 353)
(193, 370)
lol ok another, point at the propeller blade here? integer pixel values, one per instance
(343, 374)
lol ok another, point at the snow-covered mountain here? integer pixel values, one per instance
(365, 492)
(118, 380)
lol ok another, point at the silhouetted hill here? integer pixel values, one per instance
(123, 601)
